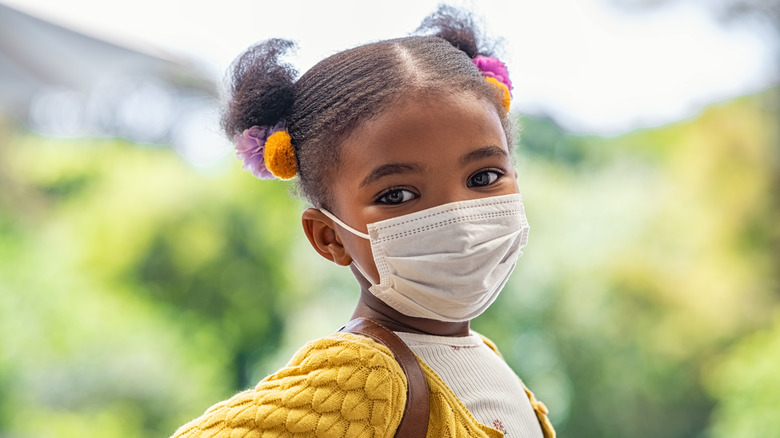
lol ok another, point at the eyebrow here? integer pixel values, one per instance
(491, 151)
(391, 169)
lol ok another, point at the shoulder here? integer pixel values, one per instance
(341, 349)
(343, 385)
(489, 343)
(539, 408)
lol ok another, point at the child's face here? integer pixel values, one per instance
(421, 153)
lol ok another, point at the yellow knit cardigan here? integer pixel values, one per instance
(344, 385)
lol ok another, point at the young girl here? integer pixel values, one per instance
(403, 147)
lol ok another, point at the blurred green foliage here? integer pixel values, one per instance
(136, 291)
(653, 257)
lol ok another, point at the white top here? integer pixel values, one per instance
(480, 379)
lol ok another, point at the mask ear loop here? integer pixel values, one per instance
(353, 231)
(343, 225)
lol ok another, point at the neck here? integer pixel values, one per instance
(373, 308)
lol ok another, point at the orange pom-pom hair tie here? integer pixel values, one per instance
(280, 155)
(506, 98)
(267, 152)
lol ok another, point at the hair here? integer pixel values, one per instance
(328, 102)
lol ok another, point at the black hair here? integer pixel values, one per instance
(324, 106)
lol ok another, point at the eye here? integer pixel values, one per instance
(396, 196)
(484, 178)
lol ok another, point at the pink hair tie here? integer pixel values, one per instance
(493, 67)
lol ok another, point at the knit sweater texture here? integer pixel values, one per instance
(341, 386)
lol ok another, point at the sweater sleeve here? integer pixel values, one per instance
(340, 386)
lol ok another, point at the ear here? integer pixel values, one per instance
(322, 235)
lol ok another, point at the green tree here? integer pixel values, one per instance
(134, 291)
(650, 255)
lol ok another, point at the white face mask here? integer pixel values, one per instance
(448, 262)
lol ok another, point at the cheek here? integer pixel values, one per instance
(360, 251)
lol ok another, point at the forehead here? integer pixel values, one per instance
(425, 127)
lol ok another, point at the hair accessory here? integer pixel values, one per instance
(492, 67)
(250, 148)
(496, 73)
(280, 155)
(253, 145)
(506, 97)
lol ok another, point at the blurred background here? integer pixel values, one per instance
(144, 276)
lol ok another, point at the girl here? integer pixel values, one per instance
(404, 148)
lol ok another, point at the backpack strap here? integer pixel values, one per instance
(414, 423)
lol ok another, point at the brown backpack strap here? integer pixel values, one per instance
(414, 423)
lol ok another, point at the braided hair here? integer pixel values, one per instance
(323, 107)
